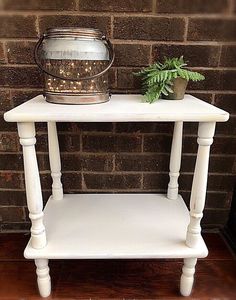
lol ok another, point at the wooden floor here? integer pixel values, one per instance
(116, 279)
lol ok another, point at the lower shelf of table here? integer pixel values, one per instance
(116, 226)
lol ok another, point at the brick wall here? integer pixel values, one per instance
(121, 157)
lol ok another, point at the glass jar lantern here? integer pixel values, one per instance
(75, 62)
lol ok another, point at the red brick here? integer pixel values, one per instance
(154, 181)
(18, 96)
(132, 55)
(211, 29)
(127, 80)
(157, 143)
(112, 181)
(213, 199)
(100, 22)
(227, 128)
(203, 96)
(195, 55)
(225, 145)
(111, 143)
(21, 77)
(87, 162)
(228, 79)
(9, 180)
(213, 81)
(17, 26)
(11, 162)
(67, 142)
(113, 5)
(6, 126)
(46, 180)
(72, 181)
(191, 7)
(20, 52)
(149, 28)
(84, 127)
(144, 127)
(39, 5)
(15, 227)
(218, 164)
(5, 102)
(228, 56)
(11, 214)
(142, 162)
(112, 78)
(215, 217)
(216, 182)
(227, 102)
(9, 142)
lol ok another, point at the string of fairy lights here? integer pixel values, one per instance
(67, 68)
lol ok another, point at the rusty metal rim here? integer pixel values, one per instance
(64, 98)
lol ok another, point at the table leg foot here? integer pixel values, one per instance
(187, 277)
(44, 280)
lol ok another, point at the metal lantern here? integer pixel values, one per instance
(75, 62)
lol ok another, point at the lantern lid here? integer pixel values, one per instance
(61, 32)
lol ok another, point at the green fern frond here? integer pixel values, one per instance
(158, 78)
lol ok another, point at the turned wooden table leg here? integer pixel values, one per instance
(55, 161)
(175, 161)
(34, 202)
(187, 277)
(43, 278)
(197, 202)
(32, 184)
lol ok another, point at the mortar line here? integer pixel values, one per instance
(186, 19)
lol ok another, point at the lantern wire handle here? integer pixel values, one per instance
(38, 62)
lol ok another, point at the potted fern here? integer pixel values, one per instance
(168, 79)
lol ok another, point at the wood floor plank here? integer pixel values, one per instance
(116, 279)
(12, 245)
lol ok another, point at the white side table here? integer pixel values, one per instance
(116, 225)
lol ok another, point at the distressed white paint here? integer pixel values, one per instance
(199, 185)
(55, 161)
(33, 187)
(175, 161)
(117, 225)
(43, 278)
(187, 277)
(121, 108)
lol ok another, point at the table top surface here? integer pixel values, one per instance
(120, 108)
